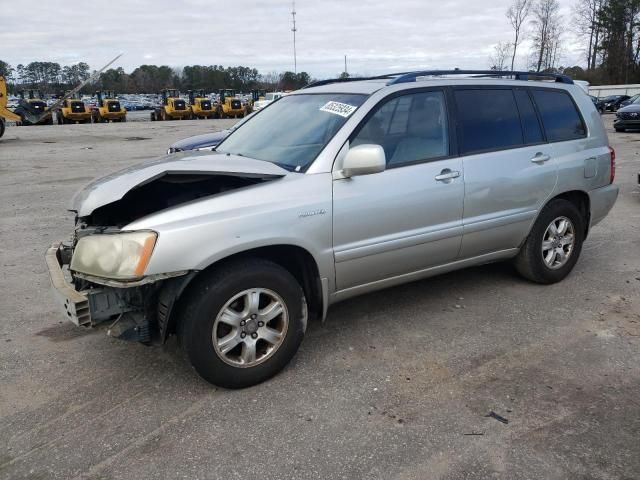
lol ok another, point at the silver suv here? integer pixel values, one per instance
(339, 189)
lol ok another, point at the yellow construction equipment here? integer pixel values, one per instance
(201, 106)
(173, 107)
(229, 105)
(5, 113)
(32, 109)
(40, 115)
(73, 110)
(108, 109)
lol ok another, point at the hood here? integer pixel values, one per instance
(201, 141)
(634, 107)
(110, 189)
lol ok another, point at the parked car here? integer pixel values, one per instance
(612, 102)
(628, 118)
(599, 104)
(629, 100)
(206, 141)
(335, 190)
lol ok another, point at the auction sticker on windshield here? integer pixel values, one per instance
(342, 109)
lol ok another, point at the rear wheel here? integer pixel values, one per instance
(241, 324)
(1, 127)
(554, 243)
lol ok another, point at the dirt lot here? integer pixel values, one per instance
(395, 385)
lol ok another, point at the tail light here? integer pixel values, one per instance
(612, 174)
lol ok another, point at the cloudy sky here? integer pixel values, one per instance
(377, 36)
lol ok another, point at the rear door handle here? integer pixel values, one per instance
(540, 158)
(446, 175)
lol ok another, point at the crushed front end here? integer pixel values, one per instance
(138, 307)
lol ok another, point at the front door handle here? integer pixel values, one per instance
(540, 158)
(447, 175)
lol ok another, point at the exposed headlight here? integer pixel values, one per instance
(120, 256)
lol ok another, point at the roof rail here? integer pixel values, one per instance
(405, 77)
(411, 76)
(319, 83)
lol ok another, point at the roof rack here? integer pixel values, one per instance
(319, 83)
(411, 76)
(405, 77)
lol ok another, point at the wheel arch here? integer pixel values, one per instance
(581, 200)
(298, 261)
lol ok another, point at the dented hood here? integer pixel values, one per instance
(113, 187)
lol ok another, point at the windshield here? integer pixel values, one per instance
(293, 130)
(635, 99)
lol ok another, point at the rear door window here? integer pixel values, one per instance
(559, 114)
(528, 117)
(488, 119)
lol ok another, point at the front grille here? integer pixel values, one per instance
(113, 106)
(629, 115)
(179, 105)
(236, 104)
(77, 107)
(205, 105)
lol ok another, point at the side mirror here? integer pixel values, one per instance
(364, 160)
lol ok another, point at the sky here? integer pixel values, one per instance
(378, 36)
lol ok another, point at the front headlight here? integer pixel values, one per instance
(120, 256)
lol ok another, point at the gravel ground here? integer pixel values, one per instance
(394, 385)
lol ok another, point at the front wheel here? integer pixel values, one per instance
(554, 243)
(242, 323)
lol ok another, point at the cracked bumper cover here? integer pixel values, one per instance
(148, 302)
(75, 304)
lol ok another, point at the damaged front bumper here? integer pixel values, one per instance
(74, 303)
(139, 311)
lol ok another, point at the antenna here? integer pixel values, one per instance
(294, 30)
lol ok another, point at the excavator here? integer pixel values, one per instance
(5, 113)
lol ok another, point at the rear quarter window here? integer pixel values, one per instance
(559, 114)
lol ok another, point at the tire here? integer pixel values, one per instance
(620, 130)
(123, 119)
(212, 293)
(1, 127)
(530, 261)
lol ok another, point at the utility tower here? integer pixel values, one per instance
(294, 30)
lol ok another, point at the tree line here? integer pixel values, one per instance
(608, 29)
(50, 77)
